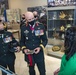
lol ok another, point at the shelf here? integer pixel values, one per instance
(57, 54)
(54, 30)
(56, 18)
(61, 8)
(60, 19)
(50, 30)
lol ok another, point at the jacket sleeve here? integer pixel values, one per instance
(22, 40)
(14, 41)
(69, 68)
(44, 39)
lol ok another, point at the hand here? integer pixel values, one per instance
(26, 50)
(37, 50)
(18, 48)
(57, 71)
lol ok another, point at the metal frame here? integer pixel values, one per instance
(6, 71)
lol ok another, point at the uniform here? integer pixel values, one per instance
(7, 58)
(32, 38)
(43, 20)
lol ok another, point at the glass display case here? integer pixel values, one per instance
(58, 20)
(53, 3)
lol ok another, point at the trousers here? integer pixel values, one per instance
(41, 68)
(9, 65)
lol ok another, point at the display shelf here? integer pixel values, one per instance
(57, 54)
(61, 8)
(58, 20)
(60, 16)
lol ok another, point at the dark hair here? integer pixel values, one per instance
(70, 42)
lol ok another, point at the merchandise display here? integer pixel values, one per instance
(62, 28)
(68, 25)
(58, 20)
(70, 17)
(52, 3)
(56, 48)
(55, 34)
(54, 16)
(62, 15)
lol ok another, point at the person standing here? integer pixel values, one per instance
(33, 41)
(68, 62)
(36, 15)
(22, 20)
(7, 44)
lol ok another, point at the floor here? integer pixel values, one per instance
(51, 63)
(21, 66)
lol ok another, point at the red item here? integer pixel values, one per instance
(30, 60)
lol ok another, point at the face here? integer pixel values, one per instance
(29, 16)
(30, 19)
(23, 16)
(1, 26)
(35, 13)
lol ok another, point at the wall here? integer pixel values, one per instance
(23, 4)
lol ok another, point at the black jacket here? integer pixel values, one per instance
(22, 22)
(6, 42)
(33, 39)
